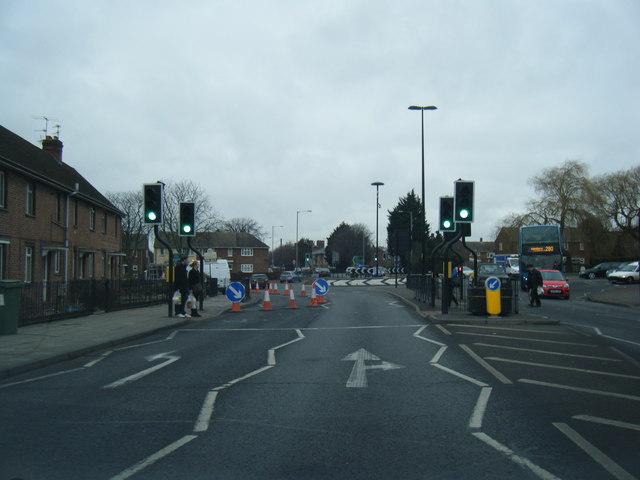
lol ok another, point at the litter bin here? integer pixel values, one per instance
(9, 306)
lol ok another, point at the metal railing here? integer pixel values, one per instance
(46, 301)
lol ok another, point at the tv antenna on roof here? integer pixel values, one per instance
(46, 119)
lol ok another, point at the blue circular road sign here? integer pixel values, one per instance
(321, 286)
(235, 292)
(492, 283)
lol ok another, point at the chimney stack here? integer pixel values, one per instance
(53, 146)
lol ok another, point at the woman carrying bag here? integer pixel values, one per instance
(195, 287)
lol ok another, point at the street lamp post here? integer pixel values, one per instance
(297, 215)
(273, 262)
(377, 185)
(424, 221)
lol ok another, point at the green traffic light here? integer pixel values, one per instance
(151, 216)
(186, 228)
(464, 213)
(446, 224)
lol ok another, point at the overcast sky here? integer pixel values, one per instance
(286, 105)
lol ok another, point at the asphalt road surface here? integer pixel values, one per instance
(358, 388)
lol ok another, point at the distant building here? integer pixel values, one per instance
(54, 225)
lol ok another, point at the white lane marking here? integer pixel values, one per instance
(525, 339)
(509, 329)
(475, 421)
(97, 360)
(137, 376)
(202, 424)
(524, 462)
(129, 472)
(580, 389)
(595, 453)
(438, 354)
(460, 375)
(608, 421)
(42, 377)
(484, 364)
(620, 340)
(547, 352)
(559, 367)
(442, 329)
(360, 327)
(628, 358)
(417, 335)
(206, 412)
(271, 354)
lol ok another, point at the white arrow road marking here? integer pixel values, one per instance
(137, 376)
(358, 377)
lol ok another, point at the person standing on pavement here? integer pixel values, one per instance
(534, 281)
(181, 283)
(195, 286)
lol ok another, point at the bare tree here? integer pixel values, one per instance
(244, 224)
(620, 200)
(133, 228)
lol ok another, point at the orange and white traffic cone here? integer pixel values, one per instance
(271, 288)
(303, 293)
(235, 307)
(292, 299)
(321, 299)
(257, 289)
(275, 288)
(313, 302)
(266, 303)
(286, 288)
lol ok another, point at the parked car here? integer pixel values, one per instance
(261, 278)
(290, 276)
(486, 270)
(628, 273)
(323, 272)
(467, 271)
(600, 270)
(554, 284)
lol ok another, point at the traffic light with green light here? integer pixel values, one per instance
(187, 227)
(463, 201)
(152, 197)
(446, 215)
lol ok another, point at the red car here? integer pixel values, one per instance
(554, 284)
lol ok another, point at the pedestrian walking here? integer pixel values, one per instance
(534, 285)
(195, 286)
(181, 283)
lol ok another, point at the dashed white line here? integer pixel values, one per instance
(608, 421)
(547, 352)
(154, 458)
(580, 389)
(559, 367)
(460, 375)
(524, 462)
(487, 367)
(481, 405)
(525, 339)
(595, 453)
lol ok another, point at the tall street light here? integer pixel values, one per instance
(424, 221)
(377, 185)
(297, 215)
(273, 262)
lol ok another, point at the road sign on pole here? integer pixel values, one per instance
(321, 286)
(235, 292)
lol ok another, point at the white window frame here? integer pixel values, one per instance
(56, 261)
(28, 264)
(30, 199)
(229, 252)
(92, 219)
(3, 189)
(246, 252)
(246, 267)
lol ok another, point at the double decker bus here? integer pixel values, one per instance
(540, 246)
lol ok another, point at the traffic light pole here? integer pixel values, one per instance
(434, 275)
(201, 259)
(446, 291)
(170, 279)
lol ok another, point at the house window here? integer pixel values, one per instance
(246, 268)
(500, 246)
(229, 252)
(30, 200)
(75, 212)
(92, 219)
(104, 222)
(28, 264)
(3, 190)
(58, 208)
(581, 246)
(246, 252)
(56, 261)
(3, 250)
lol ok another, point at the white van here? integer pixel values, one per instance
(218, 269)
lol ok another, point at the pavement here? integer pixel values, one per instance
(36, 346)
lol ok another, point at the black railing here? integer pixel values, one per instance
(46, 301)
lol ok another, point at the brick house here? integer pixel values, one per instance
(54, 225)
(245, 253)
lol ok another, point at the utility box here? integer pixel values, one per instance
(9, 306)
